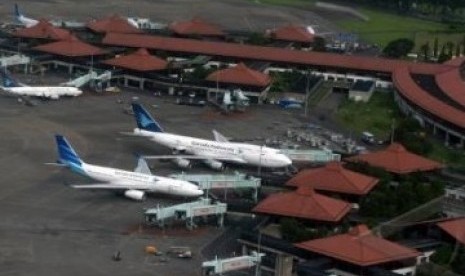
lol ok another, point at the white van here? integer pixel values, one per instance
(368, 138)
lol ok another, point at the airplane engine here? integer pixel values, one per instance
(183, 163)
(216, 165)
(135, 195)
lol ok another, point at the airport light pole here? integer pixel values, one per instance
(393, 129)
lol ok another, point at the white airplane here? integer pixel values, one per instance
(11, 86)
(212, 153)
(134, 184)
(30, 22)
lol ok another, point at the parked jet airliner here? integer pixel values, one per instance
(134, 184)
(213, 153)
(11, 86)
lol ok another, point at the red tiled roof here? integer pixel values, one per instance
(408, 88)
(112, 24)
(70, 47)
(458, 61)
(240, 74)
(304, 203)
(455, 228)
(397, 159)
(452, 84)
(359, 247)
(43, 29)
(334, 177)
(195, 26)
(292, 33)
(140, 60)
(272, 54)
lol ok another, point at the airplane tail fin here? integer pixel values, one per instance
(17, 13)
(66, 154)
(7, 80)
(144, 120)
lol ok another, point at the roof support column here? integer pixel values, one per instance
(283, 265)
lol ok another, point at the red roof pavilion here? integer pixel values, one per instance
(44, 30)
(455, 228)
(140, 60)
(304, 203)
(335, 178)
(112, 24)
(70, 47)
(240, 74)
(360, 247)
(293, 33)
(397, 159)
(196, 26)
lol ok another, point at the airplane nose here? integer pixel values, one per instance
(199, 192)
(286, 160)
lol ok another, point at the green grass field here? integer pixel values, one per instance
(384, 27)
(377, 116)
(374, 116)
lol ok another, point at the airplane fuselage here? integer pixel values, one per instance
(43, 91)
(237, 152)
(139, 181)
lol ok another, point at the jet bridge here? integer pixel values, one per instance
(187, 212)
(222, 181)
(220, 266)
(318, 156)
(14, 60)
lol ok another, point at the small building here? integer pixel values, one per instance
(360, 250)
(140, 60)
(361, 90)
(396, 159)
(293, 33)
(72, 52)
(454, 202)
(304, 203)
(251, 82)
(195, 27)
(42, 30)
(334, 178)
(112, 24)
(70, 47)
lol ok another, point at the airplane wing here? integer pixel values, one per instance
(219, 137)
(196, 157)
(142, 167)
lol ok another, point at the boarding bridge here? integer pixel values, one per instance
(81, 81)
(237, 180)
(14, 60)
(316, 156)
(220, 266)
(186, 212)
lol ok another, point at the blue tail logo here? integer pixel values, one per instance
(66, 153)
(17, 13)
(144, 120)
